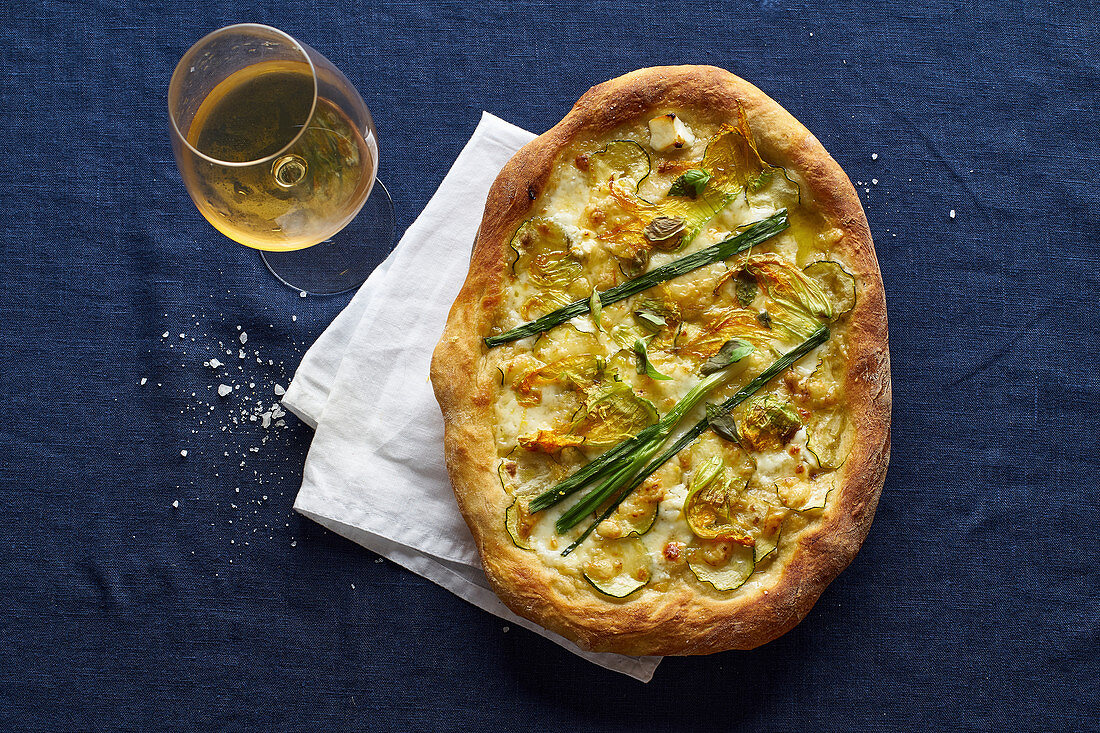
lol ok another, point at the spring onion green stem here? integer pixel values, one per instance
(617, 492)
(755, 234)
(623, 454)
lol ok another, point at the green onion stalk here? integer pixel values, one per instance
(634, 465)
(757, 233)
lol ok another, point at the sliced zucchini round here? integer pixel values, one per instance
(767, 541)
(621, 160)
(725, 565)
(502, 472)
(518, 522)
(617, 568)
(824, 438)
(839, 285)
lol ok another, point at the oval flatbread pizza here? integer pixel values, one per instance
(666, 380)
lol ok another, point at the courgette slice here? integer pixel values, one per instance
(767, 541)
(725, 565)
(564, 342)
(768, 423)
(543, 246)
(612, 412)
(839, 285)
(620, 160)
(804, 496)
(825, 438)
(518, 522)
(617, 568)
(504, 474)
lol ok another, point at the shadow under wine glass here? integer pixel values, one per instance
(279, 152)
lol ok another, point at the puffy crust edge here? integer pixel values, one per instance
(682, 620)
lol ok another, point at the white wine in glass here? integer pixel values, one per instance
(279, 152)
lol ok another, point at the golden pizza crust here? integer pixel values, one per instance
(687, 618)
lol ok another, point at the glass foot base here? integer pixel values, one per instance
(343, 262)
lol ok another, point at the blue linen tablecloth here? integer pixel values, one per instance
(152, 573)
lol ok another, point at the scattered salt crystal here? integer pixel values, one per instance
(952, 213)
(183, 335)
(164, 335)
(175, 504)
(302, 294)
(874, 181)
(266, 417)
(252, 385)
(506, 629)
(224, 389)
(278, 390)
(145, 379)
(874, 156)
(215, 363)
(244, 337)
(353, 586)
(378, 560)
(240, 353)
(183, 453)
(294, 318)
(294, 543)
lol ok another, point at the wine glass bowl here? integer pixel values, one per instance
(279, 152)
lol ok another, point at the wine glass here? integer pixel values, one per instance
(279, 152)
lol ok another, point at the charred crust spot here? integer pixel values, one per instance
(532, 194)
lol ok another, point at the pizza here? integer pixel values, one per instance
(665, 383)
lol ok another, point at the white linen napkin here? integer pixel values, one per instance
(375, 471)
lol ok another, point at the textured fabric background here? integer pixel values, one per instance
(974, 602)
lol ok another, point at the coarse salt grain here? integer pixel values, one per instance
(874, 156)
(278, 390)
(244, 337)
(224, 389)
(175, 505)
(215, 363)
(952, 213)
(143, 381)
(183, 453)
